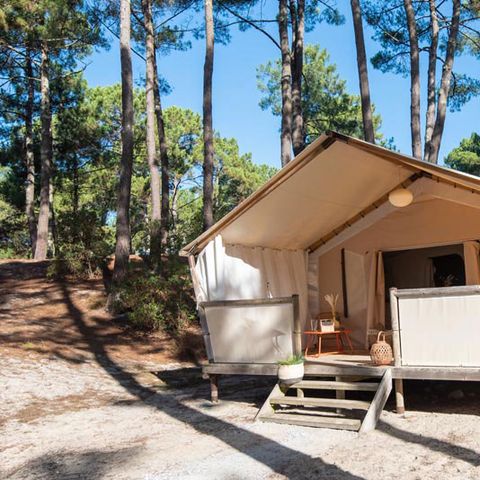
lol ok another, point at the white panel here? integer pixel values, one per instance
(440, 331)
(250, 334)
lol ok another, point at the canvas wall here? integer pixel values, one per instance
(235, 272)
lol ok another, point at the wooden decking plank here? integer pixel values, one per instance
(321, 402)
(311, 421)
(333, 370)
(333, 385)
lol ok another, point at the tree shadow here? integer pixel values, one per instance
(91, 465)
(461, 453)
(279, 458)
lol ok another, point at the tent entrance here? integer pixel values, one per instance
(423, 268)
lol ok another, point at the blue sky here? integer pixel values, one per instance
(235, 96)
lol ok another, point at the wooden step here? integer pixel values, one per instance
(313, 421)
(321, 402)
(332, 385)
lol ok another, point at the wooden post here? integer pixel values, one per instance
(297, 327)
(214, 388)
(399, 397)
(397, 356)
(395, 327)
(344, 284)
(340, 394)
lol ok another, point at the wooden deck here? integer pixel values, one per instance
(355, 364)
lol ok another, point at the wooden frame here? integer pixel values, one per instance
(344, 283)
(336, 231)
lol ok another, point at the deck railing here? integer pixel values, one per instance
(436, 327)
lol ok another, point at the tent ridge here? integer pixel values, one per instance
(313, 152)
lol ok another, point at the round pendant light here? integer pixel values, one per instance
(400, 197)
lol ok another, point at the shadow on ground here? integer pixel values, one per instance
(35, 318)
(91, 465)
(256, 446)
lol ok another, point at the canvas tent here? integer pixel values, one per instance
(324, 224)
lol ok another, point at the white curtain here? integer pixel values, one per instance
(356, 297)
(376, 291)
(235, 272)
(472, 262)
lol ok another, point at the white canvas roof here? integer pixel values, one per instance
(333, 183)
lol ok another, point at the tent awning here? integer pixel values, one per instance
(331, 182)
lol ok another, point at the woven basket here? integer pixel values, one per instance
(381, 352)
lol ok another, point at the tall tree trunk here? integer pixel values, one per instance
(445, 84)
(162, 139)
(298, 26)
(367, 116)
(208, 154)
(414, 80)
(286, 129)
(41, 246)
(176, 185)
(155, 218)
(52, 231)
(29, 156)
(75, 198)
(122, 247)
(432, 75)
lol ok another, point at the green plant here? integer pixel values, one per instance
(78, 260)
(153, 303)
(292, 360)
(83, 244)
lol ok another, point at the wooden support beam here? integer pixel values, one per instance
(363, 213)
(214, 388)
(267, 408)
(248, 302)
(378, 403)
(297, 327)
(397, 353)
(340, 393)
(399, 396)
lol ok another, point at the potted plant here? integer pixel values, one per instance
(291, 370)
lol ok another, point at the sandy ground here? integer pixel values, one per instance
(92, 416)
(95, 421)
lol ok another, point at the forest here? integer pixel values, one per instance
(89, 173)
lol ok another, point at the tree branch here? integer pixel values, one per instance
(252, 23)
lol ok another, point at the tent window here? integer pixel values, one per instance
(448, 270)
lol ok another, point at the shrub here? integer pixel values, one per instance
(154, 303)
(14, 237)
(85, 244)
(78, 261)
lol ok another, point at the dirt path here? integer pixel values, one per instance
(76, 404)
